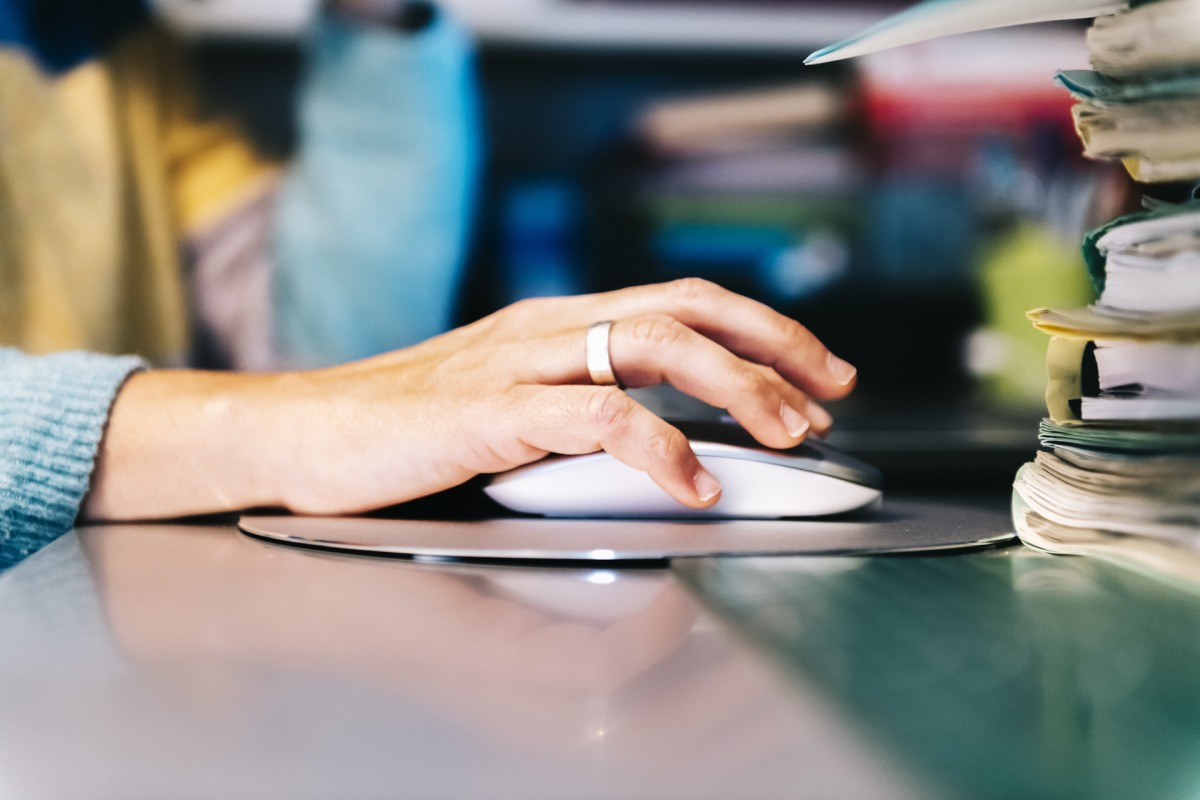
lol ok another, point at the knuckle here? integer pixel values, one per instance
(750, 382)
(656, 331)
(789, 332)
(692, 291)
(666, 446)
(609, 407)
(522, 309)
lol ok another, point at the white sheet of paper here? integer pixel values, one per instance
(935, 18)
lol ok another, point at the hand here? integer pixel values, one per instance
(493, 395)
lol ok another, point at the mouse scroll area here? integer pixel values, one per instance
(598, 485)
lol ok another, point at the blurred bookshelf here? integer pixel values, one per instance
(784, 26)
(879, 202)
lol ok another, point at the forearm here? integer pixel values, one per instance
(331, 441)
(186, 442)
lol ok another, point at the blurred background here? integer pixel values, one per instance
(429, 163)
(908, 207)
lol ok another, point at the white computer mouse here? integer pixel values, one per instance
(810, 480)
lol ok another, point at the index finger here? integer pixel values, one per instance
(747, 327)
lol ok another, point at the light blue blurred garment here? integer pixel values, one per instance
(375, 213)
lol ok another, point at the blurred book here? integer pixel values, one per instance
(788, 170)
(726, 26)
(750, 187)
(754, 119)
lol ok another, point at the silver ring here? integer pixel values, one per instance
(596, 352)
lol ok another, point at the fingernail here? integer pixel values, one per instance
(842, 372)
(818, 416)
(707, 486)
(794, 421)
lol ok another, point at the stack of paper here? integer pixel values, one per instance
(1147, 263)
(1120, 476)
(1134, 355)
(1120, 473)
(1149, 39)
(1142, 103)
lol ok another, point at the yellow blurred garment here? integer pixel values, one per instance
(104, 171)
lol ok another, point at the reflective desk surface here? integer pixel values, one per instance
(190, 661)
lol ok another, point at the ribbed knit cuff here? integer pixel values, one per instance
(53, 410)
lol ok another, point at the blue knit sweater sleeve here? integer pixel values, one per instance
(53, 410)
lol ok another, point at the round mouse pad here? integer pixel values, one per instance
(901, 526)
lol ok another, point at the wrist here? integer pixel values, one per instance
(245, 429)
(181, 443)
(290, 417)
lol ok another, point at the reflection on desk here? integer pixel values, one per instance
(1009, 674)
(185, 661)
(172, 661)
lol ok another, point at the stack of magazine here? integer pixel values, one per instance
(1119, 473)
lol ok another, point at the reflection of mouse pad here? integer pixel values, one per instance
(903, 526)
